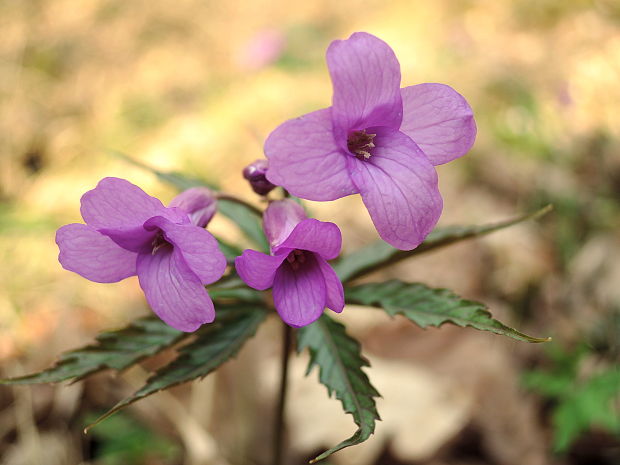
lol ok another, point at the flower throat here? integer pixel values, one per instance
(359, 143)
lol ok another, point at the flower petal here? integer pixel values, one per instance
(366, 78)
(333, 286)
(256, 269)
(305, 160)
(134, 239)
(399, 188)
(173, 291)
(198, 202)
(299, 295)
(439, 120)
(316, 236)
(92, 255)
(118, 204)
(197, 246)
(280, 218)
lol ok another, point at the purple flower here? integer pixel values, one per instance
(297, 269)
(376, 139)
(128, 232)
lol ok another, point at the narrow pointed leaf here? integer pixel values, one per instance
(115, 350)
(245, 218)
(380, 254)
(426, 306)
(340, 363)
(215, 343)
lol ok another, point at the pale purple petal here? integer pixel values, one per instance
(334, 291)
(118, 204)
(316, 236)
(299, 295)
(399, 188)
(280, 218)
(366, 78)
(134, 239)
(439, 120)
(258, 270)
(92, 255)
(305, 160)
(197, 246)
(173, 291)
(199, 203)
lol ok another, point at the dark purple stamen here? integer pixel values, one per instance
(158, 242)
(296, 258)
(359, 143)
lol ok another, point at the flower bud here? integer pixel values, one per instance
(199, 203)
(280, 219)
(255, 173)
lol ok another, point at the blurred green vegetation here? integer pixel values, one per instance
(584, 397)
(122, 440)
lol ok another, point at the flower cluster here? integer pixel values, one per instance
(376, 140)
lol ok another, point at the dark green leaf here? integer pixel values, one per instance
(340, 363)
(380, 254)
(234, 289)
(215, 343)
(114, 349)
(230, 251)
(247, 219)
(430, 307)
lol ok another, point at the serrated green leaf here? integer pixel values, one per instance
(215, 343)
(426, 306)
(247, 219)
(380, 254)
(116, 350)
(338, 357)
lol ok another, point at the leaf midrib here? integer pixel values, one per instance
(221, 359)
(396, 310)
(342, 367)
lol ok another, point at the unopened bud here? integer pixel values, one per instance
(198, 202)
(255, 173)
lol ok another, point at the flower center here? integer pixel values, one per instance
(360, 143)
(296, 258)
(158, 242)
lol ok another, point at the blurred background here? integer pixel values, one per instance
(196, 86)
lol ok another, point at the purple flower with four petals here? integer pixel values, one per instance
(297, 269)
(376, 139)
(128, 232)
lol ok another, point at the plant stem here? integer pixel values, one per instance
(278, 430)
(232, 198)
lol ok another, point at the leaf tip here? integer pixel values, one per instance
(543, 211)
(106, 415)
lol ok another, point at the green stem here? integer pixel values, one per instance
(279, 426)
